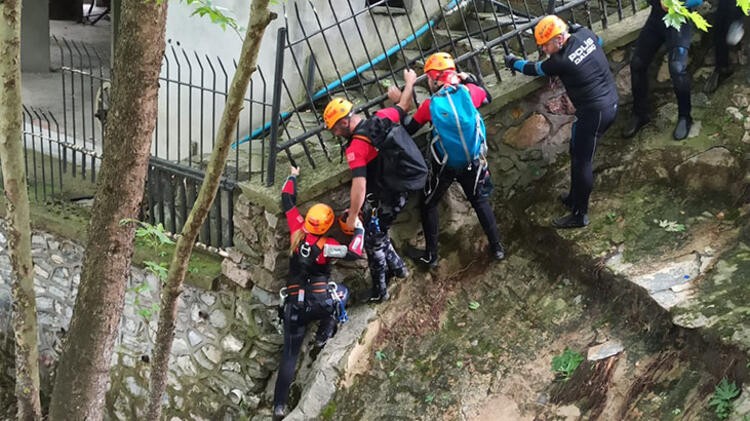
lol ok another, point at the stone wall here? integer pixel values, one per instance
(225, 349)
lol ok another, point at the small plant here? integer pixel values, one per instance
(670, 226)
(565, 364)
(155, 238)
(721, 401)
(611, 218)
(380, 355)
(429, 398)
(473, 305)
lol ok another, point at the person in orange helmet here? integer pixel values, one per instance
(369, 191)
(458, 145)
(577, 57)
(309, 295)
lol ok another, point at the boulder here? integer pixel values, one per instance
(533, 130)
(713, 170)
(560, 105)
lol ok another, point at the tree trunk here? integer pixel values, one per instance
(83, 370)
(19, 228)
(260, 17)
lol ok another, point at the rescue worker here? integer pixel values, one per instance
(652, 36)
(309, 295)
(728, 31)
(576, 56)
(471, 169)
(380, 206)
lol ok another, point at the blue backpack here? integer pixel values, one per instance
(458, 133)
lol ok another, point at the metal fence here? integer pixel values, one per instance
(476, 32)
(376, 41)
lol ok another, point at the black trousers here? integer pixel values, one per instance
(726, 13)
(589, 127)
(652, 36)
(295, 326)
(477, 187)
(381, 256)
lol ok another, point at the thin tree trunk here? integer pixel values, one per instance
(260, 17)
(83, 370)
(19, 228)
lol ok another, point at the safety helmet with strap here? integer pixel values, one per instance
(549, 27)
(337, 109)
(319, 219)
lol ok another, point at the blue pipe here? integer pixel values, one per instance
(361, 69)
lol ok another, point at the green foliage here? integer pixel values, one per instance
(611, 218)
(429, 398)
(670, 226)
(565, 364)
(380, 355)
(217, 14)
(745, 6)
(678, 14)
(156, 238)
(721, 400)
(473, 305)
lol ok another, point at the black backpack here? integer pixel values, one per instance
(318, 300)
(402, 165)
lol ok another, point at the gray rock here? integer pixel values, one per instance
(713, 170)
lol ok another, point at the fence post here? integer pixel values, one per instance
(276, 106)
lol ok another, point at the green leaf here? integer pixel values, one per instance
(459, 364)
(745, 6)
(429, 398)
(674, 20)
(721, 400)
(699, 21)
(473, 305)
(566, 363)
(380, 355)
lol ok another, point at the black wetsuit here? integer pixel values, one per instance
(652, 36)
(584, 70)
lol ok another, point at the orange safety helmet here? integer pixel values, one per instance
(440, 62)
(549, 27)
(319, 219)
(337, 109)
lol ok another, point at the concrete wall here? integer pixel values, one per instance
(35, 36)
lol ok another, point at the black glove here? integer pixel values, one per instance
(573, 27)
(470, 78)
(510, 60)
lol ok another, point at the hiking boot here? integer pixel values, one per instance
(634, 126)
(279, 412)
(497, 251)
(715, 79)
(378, 296)
(682, 129)
(566, 200)
(423, 258)
(572, 220)
(400, 273)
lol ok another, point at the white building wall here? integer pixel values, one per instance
(200, 35)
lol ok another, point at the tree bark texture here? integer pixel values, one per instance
(260, 17)
(19, 228)
(83, 371)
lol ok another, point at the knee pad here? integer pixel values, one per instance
(678, 61)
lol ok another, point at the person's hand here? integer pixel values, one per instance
(463, 75)
(351, 218)
(410, 76)
(394, 94)
(294, 171)
(510, 60)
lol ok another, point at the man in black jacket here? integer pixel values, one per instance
(577, 58)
